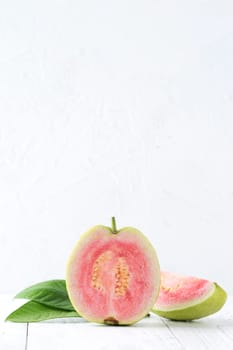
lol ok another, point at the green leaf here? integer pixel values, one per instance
(51, 293)
(35, 312)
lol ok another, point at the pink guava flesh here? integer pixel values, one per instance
(177, 290)
(187, 298)
(113, 278)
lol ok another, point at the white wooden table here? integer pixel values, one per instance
(214, 332)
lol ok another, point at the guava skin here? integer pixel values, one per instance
(200, 309)
(110, 275)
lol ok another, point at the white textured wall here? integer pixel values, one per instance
(116, 108)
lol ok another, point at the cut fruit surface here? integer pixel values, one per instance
(113, 277)
(187, 297)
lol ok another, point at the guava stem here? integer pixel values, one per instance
(114, 228)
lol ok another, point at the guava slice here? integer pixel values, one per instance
(113, 276)
(187, 298)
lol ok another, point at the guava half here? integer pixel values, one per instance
(186, 298)
(113, 276)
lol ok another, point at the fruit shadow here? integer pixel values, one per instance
(154, 322)
(70, 320)
(145, 323)
(205, 323)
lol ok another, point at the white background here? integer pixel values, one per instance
(118, 108)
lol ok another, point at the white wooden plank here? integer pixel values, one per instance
(12, 335)
(201, 335)
(213, 332)
(225, 321)
(147, 334)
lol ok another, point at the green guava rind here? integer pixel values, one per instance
(205, 308)
(81, 243)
